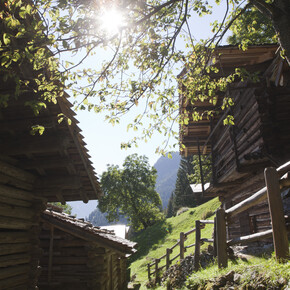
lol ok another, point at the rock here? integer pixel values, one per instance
(230, 276)
(237, 278)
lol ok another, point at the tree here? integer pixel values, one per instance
(37, 38)
(97, 218)
(130, 192)
(182, 194)
(252, 28)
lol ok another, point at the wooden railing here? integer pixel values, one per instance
(272, 191)
(199, 225)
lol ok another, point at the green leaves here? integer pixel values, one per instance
(6, 38)
(130, 191)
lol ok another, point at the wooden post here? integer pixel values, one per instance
(50, 254)
(197, 246)
(181, 244)
(157, 278)
(221, 238)
(200, 167)
(214, 239)
(277, 215)
(168, 252)
(149, 274)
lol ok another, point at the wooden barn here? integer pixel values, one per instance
(260, 135)
(80, 256)
(52, 167)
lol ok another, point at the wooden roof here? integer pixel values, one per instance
(196, 135)
(88, 232)
(58, 158)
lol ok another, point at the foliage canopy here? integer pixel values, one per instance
(39, 38)
(130, 191)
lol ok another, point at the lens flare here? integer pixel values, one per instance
(111, 21)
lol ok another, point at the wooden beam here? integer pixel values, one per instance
(16, 172)
(7, 237)
(60, 197)
(247, 203)
(16, 223)
(34, 145)
(277, 215)
(6, 179)
(6, 249)
(15, 259)
(60, 182)
(7, 210)
(250, 238)
(11, 192)
(46, 163)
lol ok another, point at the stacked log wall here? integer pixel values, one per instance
(19, 228)
(77, 263)
(232, 143)
(255, 219)
(274, 105)
(262, 127)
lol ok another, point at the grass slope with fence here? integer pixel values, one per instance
(153, 242)
(253, 272)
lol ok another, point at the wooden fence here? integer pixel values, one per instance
(199, 225)
(275, 180)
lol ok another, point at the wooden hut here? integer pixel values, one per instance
(80, 256)
(260, 135)
(35, 169)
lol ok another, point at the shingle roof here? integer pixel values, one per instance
(85, 230)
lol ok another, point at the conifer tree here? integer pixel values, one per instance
(182, 194)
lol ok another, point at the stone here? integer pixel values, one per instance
(237, 278)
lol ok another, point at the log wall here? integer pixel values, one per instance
(259, 138)
(19, 228)
(73, 263)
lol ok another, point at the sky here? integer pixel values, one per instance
(103, 140)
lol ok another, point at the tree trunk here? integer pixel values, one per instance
(279, 14)
(281, 22)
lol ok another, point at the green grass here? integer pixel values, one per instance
(152, 242)
(253, 271)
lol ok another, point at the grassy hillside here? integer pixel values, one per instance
(152, 243)
(242, 273)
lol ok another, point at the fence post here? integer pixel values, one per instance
(197, 246)
(149, 274)
(181, 244)
(214, 239)
(221, 238)
(168, 252)
(157, 278)
(277, 214)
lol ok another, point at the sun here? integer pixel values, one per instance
(111, 21)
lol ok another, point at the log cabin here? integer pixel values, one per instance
(259, 137)
(35, 169)
(80, 256)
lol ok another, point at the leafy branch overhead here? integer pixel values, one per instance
(48, 46)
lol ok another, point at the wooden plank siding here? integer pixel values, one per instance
(20, 214)
(81, 256)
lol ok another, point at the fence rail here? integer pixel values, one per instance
(275, 181)
(199, 225)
